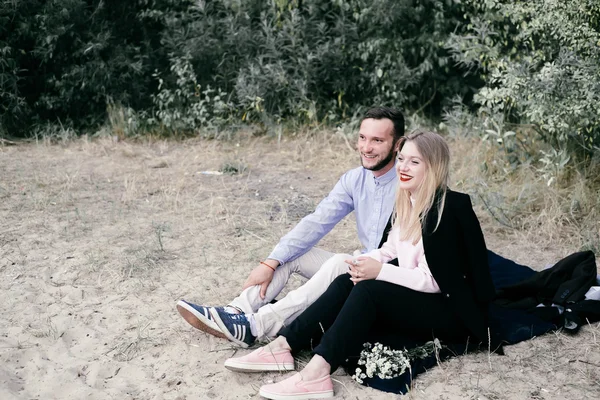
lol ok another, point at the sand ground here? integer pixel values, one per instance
(99, 239)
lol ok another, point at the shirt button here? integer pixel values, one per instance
(464, 277)
(447, 294)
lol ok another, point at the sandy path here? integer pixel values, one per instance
(98, 241)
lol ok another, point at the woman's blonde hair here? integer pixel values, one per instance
(432, 189)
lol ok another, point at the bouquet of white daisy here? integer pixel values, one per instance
(385, 363)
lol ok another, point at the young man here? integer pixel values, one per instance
(367, 190)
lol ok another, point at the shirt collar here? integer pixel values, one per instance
(387, 177)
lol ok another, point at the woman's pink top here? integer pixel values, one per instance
(412, 270)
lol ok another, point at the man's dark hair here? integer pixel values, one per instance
(393, 114)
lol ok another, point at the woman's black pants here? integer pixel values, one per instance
(346, 316)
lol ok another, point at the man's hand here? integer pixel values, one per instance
(261, 275)
(363, 268)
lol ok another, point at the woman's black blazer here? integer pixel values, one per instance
(457, 258)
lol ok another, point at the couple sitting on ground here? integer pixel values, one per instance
(429, 279)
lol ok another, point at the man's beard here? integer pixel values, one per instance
(381, 164)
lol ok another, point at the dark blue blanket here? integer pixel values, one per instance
(510, 326)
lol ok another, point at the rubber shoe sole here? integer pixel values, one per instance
(304, 396)
(236, 366)
(197, 320)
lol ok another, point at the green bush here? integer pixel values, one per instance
(188, 65)
(66, 58)
(314, 60)
(531, 67)
(540, 60)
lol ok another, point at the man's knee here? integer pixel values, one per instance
(337, 264)
(340, 258)
(309, 263)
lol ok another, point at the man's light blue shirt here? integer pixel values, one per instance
(371, 198)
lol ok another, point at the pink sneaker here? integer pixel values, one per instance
(294, 388)
(263, 359)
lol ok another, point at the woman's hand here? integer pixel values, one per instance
(363, 268)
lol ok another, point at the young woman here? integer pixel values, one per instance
(441, 287)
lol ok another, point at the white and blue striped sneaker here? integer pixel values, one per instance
(235, 326)
(199, 317)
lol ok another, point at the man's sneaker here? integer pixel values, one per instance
(199, 317)
(263, 359)
(236, 327)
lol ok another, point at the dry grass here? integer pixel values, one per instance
(519, 206)
(100, 238)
